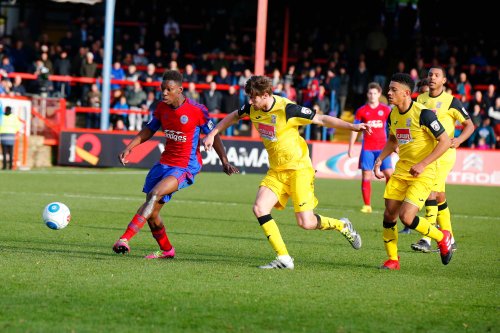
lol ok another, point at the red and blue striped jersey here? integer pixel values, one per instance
(182, 127)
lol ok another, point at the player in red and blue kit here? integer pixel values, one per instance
(375, 114)
(182, 122)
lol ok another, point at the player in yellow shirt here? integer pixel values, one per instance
(413, 130)
(449, 111)
(290, 174)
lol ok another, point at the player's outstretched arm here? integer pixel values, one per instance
(144, 135)
(390, 146)
(230, 119)
(334, 122)
(218, 145)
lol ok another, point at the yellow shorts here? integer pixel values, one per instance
(414, 191)
(297, 184)
(444, 166)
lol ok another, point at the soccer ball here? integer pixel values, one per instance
(56, 215)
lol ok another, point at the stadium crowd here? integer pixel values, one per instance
(328, 69)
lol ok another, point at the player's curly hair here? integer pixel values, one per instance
(404, 79)
(258, 85)
(172, 75)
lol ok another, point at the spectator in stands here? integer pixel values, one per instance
(231, 101)
(149, 106)
(490, 96)
(279, 89)
(18, 88)
(139, 58)
(476, 116)
(452, 77)
(173, 65)
(344, 88)
(47, 62)
(157, 58)
(94, 99)
(464, 87)
(87, 69)
(62, 66)
(135, 99)
(484, 135)
(120, 105)
(150, 76)
(276, 78)
(238, 66)
(289, 91)
(6, 66)
(5, 86)
(212, 99)
(171, 27)
(192, 93)
(220, 61)
(117, 73)
(360, 80)
(189, 74)
(131, 75)
(223, 77)
(479, 100)
(20, 56)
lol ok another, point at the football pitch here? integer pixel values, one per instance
(71, 281)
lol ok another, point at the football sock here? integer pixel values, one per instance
(366, 190)
(162, 239)
(273, 234)
(431, 212)
(329, 223)
(423, 226)
(444, 216)
(134, 226)
(390, 236)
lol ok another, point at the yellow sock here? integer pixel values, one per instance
(329, 223)
(444, 217)
(431, 212)
(390, 236)
(425, 228)
(273, 234)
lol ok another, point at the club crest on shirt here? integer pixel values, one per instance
(380, 113)
(273, 119)
(435, 125)
(184, 119)
(403, 135)
(408, 122)
(305, 111)
(438, 105)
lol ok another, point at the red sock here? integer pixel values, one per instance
(134, 226)
(366, 189)
(162, 239)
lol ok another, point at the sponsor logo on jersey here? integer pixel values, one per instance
(184, 119)
(175, 135)
(435, 125)
(403, 135)
(267, 131)
(376, 123)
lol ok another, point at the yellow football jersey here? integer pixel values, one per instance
(449, 110)
(279, 130)
(415, 131)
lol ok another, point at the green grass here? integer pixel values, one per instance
(71, 281)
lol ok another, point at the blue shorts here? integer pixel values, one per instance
(367, 160)
(160, 171)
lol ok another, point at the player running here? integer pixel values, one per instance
(291, 174)
(182, 122)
